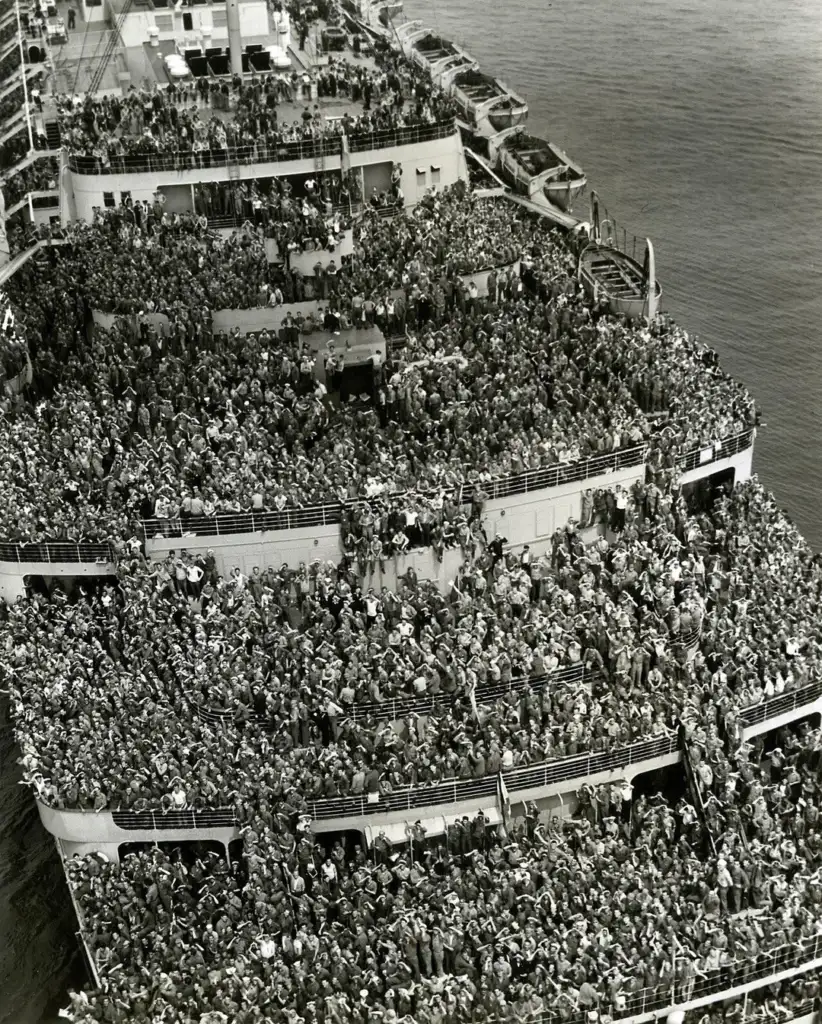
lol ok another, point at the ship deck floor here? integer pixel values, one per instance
(76, 60)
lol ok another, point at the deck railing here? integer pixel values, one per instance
(785, 702)
(575, 767)
(56, 551)
(305, 149)
(561, 769)
(412, 135)
(415, 798)
(159, 821)
(401, 707)
(150, 163)
(228, 523)
(331, 513)
(786, 961)
(484, 693)
(723, 449)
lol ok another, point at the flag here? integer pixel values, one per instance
(472, 696)
(504, 796)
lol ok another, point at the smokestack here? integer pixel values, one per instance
(235, 42)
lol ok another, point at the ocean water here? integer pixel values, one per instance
(700, 125)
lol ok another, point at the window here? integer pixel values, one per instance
(108, 199)
(218, 17)
(188, 22)
(435, 175)
(422, 174)
(164, 22)
(125, 197)
(94, 3)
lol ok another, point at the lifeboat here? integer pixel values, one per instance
(385, 11)
(606, 271)
(433, 53)
(536, 169)
(486, 105)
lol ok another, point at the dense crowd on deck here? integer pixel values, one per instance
(157, 417)
(569, 919)
(40, 176)
(10, 104)
(392, 94)
(171, 687)
(13, 348)
(286, 658)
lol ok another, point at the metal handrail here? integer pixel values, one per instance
(195, 160)
(331, 513)
(791, 959)
(484, 693)
(767, 709)
(56, 551)
(527, 777)
(561, 769)
(411, 135)
(158, 821)
(304, 149)
(724, 448)
(402, 707)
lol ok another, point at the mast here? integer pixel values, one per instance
(235, 42)
(652, 300)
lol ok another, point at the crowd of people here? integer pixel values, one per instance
(170, 686)
(393, 93)
(284, 658)
(13, 349)
(11, 104)
(565, 920)
(311, 219)
(474, 394)
(374, 531)
(41, 176)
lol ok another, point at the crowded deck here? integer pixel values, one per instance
(473, 392)
(265, 693)
(284, 717)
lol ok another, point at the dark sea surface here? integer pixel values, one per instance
(700, 125)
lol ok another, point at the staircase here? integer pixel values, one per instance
(53, 135)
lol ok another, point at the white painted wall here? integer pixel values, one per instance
(742, 463)
(87, 831)
(305, 261)
(137, 24)
(87, 189)
(94, 14)
(13, 573)
(522, 519)
(266, 550)
(532, 518)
